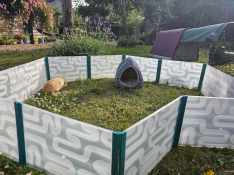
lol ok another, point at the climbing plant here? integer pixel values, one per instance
(15, 13)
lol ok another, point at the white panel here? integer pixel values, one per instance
(181, 73)
(217, 84)
(105, 66)
(61, 145)
(208, 122)
(72, 68)
(8, 135)
(19, 83)
(150, 139)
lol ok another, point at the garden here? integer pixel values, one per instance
(91, 113)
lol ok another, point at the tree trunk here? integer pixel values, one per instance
(67, 15)
(124, 23)
(30, 23)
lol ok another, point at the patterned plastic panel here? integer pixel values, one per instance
(72, 68)
(181, 73)
(8, 136)
(21, 82)
(217, 84)
(150, 139)
(208, 122)
(105, 66)
(148, 67)
(64, 146)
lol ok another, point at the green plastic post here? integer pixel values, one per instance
(159, 71)
(202, 76)
(88, 67)
(20, 132)
(118, 152)
(179, 121)
(115, 153)
(47, 68)
(123, 57)
(122, 153)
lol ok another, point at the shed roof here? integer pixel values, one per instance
(201, 34)
(166, 42)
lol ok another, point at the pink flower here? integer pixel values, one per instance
(28, 174)
(7, 166)
(7, 12)
(2, 173)
(7, 26)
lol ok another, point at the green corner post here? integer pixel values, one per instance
(202, 76)
(47, 68)
(179, 121)
(118, 153)
(159, 70)
(123, 57)
(88, 67)
(20, 132)
(122, 153)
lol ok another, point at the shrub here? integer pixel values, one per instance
(80, 45)
(126, 42)
(148, 38)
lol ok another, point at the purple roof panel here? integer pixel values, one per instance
(166, 42)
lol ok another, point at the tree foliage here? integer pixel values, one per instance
(190, 13)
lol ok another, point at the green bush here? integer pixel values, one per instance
(80, 45)
(148, 38)
(126, 42)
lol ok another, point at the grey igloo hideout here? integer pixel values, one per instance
(128, 74)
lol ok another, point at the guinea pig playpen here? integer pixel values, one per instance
(61, 145)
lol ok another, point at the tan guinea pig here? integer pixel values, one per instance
(55, 85)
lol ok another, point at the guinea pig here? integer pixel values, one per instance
(55, 85)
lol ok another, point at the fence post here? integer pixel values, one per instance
(88, 67)
(179, 121)
(202, 76)
(47, 68)
(118, 153)
(123, 57)
(159, 71)
(20, 132)
(122, 153)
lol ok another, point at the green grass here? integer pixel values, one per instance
(11, 167)
(187, 160)
(227, 67)
(139, 50)
(99, 102)
(16, 58)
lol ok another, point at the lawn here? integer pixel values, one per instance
(11, 167)
(15, 58)
(187, 160)
(99, 102)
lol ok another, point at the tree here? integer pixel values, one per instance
(192, 14)
(67, 14)
(92, 7)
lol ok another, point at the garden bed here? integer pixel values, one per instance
(99, 102)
